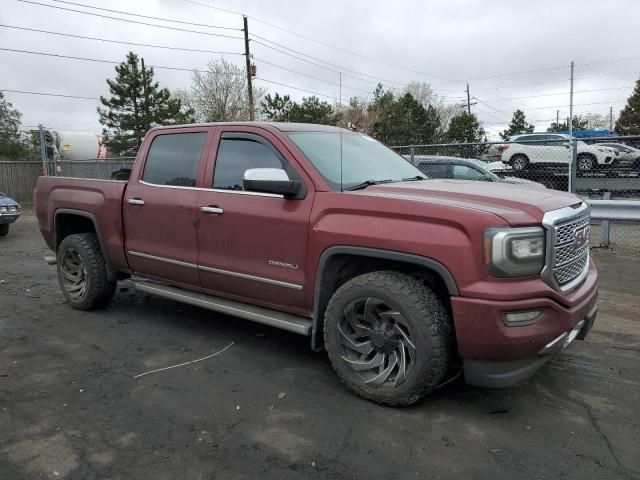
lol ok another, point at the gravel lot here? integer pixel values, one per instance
(268, 407)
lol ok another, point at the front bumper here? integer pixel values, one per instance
(497, 355)
(8, 217)
(505, 374)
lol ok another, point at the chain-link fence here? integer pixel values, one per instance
(596, 169)
(18, 179)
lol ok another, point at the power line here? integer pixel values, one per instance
(320, 42)
(84, 37)
(341, 69)
(97, 60)
(146, 16)
(295, 88)
(47, 94)
(130, 21)
(310, 76)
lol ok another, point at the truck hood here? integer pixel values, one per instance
(516, 204)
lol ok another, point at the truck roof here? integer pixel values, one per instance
(282, 126)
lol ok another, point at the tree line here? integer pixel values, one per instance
(413, 115)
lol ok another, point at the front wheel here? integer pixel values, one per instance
(82, 272)
(388, 337)
(4, 230)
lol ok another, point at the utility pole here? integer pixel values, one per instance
(574, 143)
(248, 58)
(611, 119)
(468, 101)
(558, 117)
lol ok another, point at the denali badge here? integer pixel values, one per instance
(276, 263)
(581, 237)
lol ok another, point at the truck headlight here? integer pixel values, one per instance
(4, 209)
(514, 252)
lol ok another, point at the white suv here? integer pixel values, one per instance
(553, 148)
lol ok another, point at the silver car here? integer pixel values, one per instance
(628, 156)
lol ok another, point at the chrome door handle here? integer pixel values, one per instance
(216, 210)
(135, 201)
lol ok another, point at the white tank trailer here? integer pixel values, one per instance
(80, 146)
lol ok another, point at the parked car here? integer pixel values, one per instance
(464, 169)
(553, 148)
(628, 156)
(328, 233)
(9, 213)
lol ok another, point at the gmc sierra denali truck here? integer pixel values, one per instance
(330, 234)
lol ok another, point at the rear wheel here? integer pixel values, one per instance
(4, 229)
(388, 337)
(82, 272)
(519, 162)
(585, 163)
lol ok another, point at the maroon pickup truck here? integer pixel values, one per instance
(330, 234)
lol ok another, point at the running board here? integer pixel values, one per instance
(285, 321)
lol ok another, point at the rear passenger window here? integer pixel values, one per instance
(435, 170)
(236, 155)
(173, 159)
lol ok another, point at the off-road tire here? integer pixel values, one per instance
(430, 327)
(519, 162)
(99, 290)
(4, 230)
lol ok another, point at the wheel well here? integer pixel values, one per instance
(68, 223)
(519, 155)
(587, 154)
(340, 268)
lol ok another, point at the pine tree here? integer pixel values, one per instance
(465, 128)
(518, 124)
(14, 144)
(629, 121)
(137, 103)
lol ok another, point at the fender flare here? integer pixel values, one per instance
(112, 273)
(418, 260)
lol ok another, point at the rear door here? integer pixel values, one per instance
(253, 246)
(160, 206)
(558, 149)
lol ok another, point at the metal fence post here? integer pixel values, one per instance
(43, 150)
(606, 224)
(413, 154)
(573, 165)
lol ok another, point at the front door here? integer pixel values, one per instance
(160, 206)
(253, 246)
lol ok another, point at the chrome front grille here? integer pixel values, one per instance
(568, 239)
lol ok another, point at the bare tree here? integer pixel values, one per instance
(424, 94)
(359, 115)
(219, 94)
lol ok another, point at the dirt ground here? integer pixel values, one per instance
(268, 407)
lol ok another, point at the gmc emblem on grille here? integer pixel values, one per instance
(581, 237)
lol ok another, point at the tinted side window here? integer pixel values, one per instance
(173, 159)
(532, 140)
(463, 172)
(435, 170)
(237, 155)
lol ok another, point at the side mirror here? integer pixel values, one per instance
(271, 180)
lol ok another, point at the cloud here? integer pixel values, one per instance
(443, 43)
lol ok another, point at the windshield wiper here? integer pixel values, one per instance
(414, 179)
(366, 183)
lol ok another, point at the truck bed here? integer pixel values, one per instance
(98, 200)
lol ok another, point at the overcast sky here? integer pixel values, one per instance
(494, 45)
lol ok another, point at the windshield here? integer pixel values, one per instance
(485, 170)
(363, 158)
